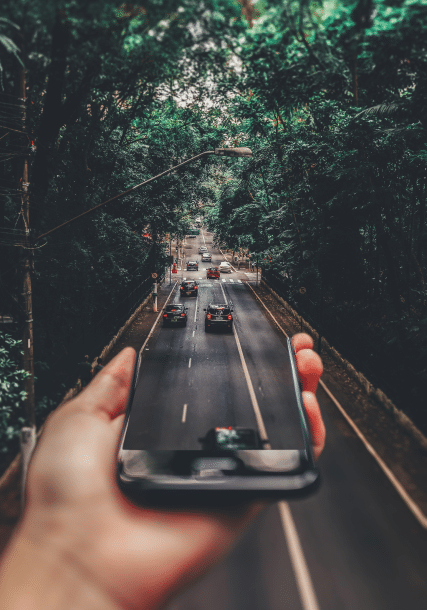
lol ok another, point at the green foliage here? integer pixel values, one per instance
(11, 394)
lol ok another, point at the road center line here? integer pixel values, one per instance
(195, 313)
(189, 364)
(302, 575)
(184, 414)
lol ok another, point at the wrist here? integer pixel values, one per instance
(38, 575)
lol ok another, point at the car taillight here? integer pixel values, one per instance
(195, 287)
(208, 316)
(230, 317)
(165, 315)
(182, 288)
(183, 315)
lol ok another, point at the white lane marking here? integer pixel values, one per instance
(203, 235)
(302, 575)
(184, 414)
(231, 281)
(153, 327)
(193, 332)
(189, 364)
(413, 507)
(195, 313)
(223, 279)
(255, 405)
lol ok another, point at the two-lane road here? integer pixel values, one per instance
(360, 547)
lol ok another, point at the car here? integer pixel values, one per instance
(225, 267)
(174, 315)
(192, 236)
(206, 257)
(203, 249)
(218, 315)
(192, 266)
(212, 273)
(188, 287)
(231, 438)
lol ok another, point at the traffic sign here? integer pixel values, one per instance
(154, 276)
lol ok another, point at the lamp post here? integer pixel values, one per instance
(222, 152)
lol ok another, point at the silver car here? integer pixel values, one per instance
(225, 267)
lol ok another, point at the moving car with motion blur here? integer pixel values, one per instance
(188, 288)
(231, 439)
(212, 273)
(219, 316)
(174, 315)
(225, 267)
(192, 266)
(206, 257)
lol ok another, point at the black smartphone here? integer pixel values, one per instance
(224, 464)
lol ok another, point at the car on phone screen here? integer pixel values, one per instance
(188, 288)
(218, 315)
(206, 257)
(175, 315)
(192, 266)
(212, 273)
(225, 267)
(231, 438)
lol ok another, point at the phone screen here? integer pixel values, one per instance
(214, 436)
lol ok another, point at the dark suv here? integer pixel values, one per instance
(219, 316)
(174, 315)
(188, 288)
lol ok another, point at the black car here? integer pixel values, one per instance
(188, 288)
(219, 316)
(192, 266)
(174, 315)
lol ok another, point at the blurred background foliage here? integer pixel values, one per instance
(332, 98)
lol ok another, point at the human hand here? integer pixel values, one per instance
(81, 543)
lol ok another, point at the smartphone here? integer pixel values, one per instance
(222, 465)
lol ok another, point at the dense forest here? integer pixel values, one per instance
(331, 97)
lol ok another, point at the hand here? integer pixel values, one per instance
(81, 544)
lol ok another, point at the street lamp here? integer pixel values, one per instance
(223, 152)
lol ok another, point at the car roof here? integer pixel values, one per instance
(192, 263)
(188, 282)
(225, 263)
(218, 305)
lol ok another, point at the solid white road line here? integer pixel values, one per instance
(189, 364)
(302, 575)
(413, 507)
(195, 313)
(255, 405)
(184, 414)
(153, 327)
(193, 332)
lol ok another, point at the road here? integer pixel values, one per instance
(360, 547)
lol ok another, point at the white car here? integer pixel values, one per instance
(206, 257)
(203, 249)
(225, 267)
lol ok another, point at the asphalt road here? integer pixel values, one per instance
(361, 548)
